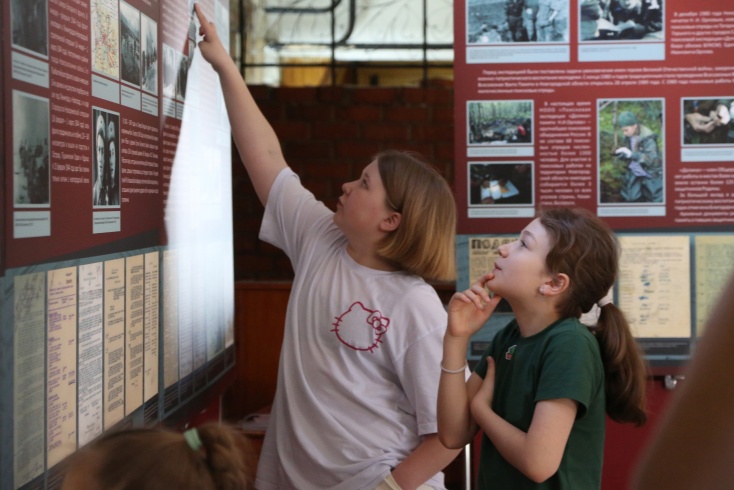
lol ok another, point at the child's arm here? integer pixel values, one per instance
(468, 312)
(255, 139)
(536, 454)
(426, 460)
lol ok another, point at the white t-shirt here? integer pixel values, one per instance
(360, 361)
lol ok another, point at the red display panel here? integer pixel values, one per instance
(543, 95)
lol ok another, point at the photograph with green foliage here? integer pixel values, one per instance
(631, 163)
(499, 122)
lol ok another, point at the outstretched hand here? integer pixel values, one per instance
(211, 46)
(469, 310)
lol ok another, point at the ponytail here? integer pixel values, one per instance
(210, 457)
(224, 453)
(624, 367)
(586, 249)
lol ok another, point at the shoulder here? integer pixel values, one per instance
(418, 296)
(571, 335)
(414, 304)
(646, 132)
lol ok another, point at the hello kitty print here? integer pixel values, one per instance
(360, 328)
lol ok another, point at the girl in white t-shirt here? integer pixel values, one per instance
(355, 404)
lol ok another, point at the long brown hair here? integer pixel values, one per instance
(424, 242)
(586, 249)
(150, 459)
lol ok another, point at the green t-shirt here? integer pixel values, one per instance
(562, 361)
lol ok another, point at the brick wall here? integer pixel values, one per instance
(328, 135)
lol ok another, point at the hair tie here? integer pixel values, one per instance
(604, 301)
(193, 439)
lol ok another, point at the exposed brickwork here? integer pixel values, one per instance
(328, 135)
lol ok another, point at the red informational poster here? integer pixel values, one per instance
(94, 102)
(117, 304)
(623, 107)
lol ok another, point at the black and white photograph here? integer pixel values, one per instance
(31, 176)
(106, 158)
(183, 74)
(517, 21)
(621, 20)
(170, 71)
(149, 54)
(499, 122)
(129, 44)
(500, 183)
(29, 24)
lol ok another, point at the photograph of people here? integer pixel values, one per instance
(517, 21)
(708, 121)
(149, 55)
(499, 122)
(29, 20)
(105, 170)
(30, 150)
(612, 20)
(500, 183)
(129, 44)
(113, 177)
(631, 164)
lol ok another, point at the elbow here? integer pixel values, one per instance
(540, 473)
(538, 477)
(451, 441)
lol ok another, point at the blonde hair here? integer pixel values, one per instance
(424, 242)
(150, 459)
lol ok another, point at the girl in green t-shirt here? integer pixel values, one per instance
(542, 389)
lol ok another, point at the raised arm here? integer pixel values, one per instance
(468, 311)
(255, 139)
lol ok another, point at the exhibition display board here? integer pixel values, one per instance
(621, 107)
(116, 255)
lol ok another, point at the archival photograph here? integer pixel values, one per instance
(29, 24)
(105, 158)
(517, 21)
(183, 76)
(621, 20)
(708, 121)
(500, 183)
(31, 176)
(631, 143)
(499, 122)
(129, 44)
(149, 54)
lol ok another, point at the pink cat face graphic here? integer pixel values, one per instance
(360, 328)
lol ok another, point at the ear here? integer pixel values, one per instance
(557, 285)
(391, 223)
